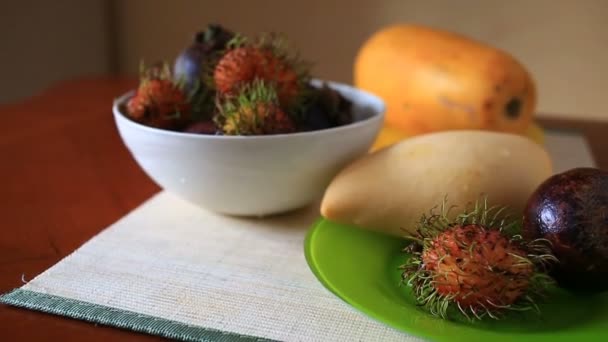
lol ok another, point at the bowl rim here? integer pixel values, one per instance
(377, 115)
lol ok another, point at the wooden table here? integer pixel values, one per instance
(66, 175)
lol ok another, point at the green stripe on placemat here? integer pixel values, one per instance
(119, 318)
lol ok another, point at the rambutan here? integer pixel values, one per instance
(267, 59)
(476, 263)
(159, 101)
(255, 110)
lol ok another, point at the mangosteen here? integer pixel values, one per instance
(315, 118)
(326, 108)
(190, 65)
(201, 127)
(338, 108)
(570, 210)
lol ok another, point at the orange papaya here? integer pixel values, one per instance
(434, 80)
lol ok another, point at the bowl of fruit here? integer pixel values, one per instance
(238, 125)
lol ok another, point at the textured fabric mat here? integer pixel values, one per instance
(171, 260)
(171, 269)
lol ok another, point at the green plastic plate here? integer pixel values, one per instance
(361, 267)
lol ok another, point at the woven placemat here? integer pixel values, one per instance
(172, 269)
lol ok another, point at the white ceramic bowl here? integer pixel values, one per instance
(252, 175)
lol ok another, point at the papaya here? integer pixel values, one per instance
(433, 80)
(390, 135)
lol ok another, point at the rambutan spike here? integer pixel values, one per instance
(516, 238)
(501, 226)
(430, 298)
(462, 244)
(540, 281)
(425, 277)
(473, 215)
(469, 216)
(433, 310)
(474, 312)
(439, 228)
(410, 282)
(488, 312)
(237, 41)
(444, 212)
(484, 212)
(510, 228)
(414, 277)
(543, 242)
(441, 223)
(422, 292)
(497, 306)
(471, 248)
(439, 306)
(445, 209)
(427, 285)
(457, 272)
(443, 307)
(441, 259)
(462, 219)
(540, 246)
(496, 215)
(404, 275)
(546, 257)
(545, 261)
(416, 262)
(521, 308)
(531, 301)
(520, 258)
(166, 71)
(440, 283)
(465, 296)
(522, 264)
(463, 311)
(142, 69)
(176, 114)
(450, 297)
(414, 239)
